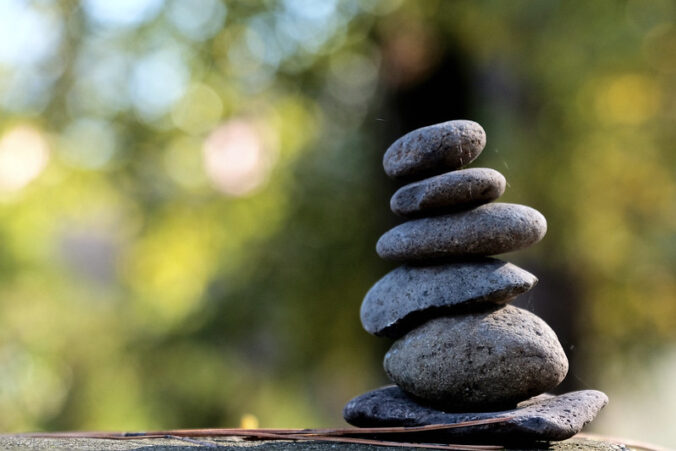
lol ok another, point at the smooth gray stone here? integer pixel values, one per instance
(486, 230)
(543, 418)
(445, 192)
(409, 295)
(434, 149)
(478, 361)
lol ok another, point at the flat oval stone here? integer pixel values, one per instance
(434, 149)
(467, 187)
(409, 295)
(486, 230)
(478, 361)
(539, 419)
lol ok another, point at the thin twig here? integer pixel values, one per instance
(214, 432)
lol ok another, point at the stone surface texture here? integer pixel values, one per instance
(434, 149)
(543, 418)
(486, 230)
(478, 361)
(409, 295)
(449, 191)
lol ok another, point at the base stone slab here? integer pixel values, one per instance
(543, 418)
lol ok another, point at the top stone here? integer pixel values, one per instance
(434, 149)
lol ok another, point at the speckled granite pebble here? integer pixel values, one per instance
(486, 230)
(445, 192)
(542, 418)
(434, 149)
(478, 361)
(409, 295)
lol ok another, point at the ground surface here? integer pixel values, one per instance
(26, 443)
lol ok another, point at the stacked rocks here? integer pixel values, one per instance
(460, 347)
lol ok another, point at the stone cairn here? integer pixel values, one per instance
(460, 346)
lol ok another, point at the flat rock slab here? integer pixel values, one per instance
(486, 230)
(446, 192)
(544, 418)
(409, 295)
(434, 149)
(163, 444)
(478, 361)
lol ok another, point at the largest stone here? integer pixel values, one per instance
(407, 296)
(486, 230)
(478, 361)
(542, 418)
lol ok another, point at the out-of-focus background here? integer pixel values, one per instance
(191, 192)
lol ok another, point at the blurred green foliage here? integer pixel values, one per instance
(191, 191)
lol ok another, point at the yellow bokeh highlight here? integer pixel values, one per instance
(168, 268)
(248, 421)
(628, 99)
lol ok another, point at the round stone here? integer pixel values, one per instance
(539, 419)
(434, 149)
(409, 295)
(478, 361)
(445, 192)
(486, 230)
